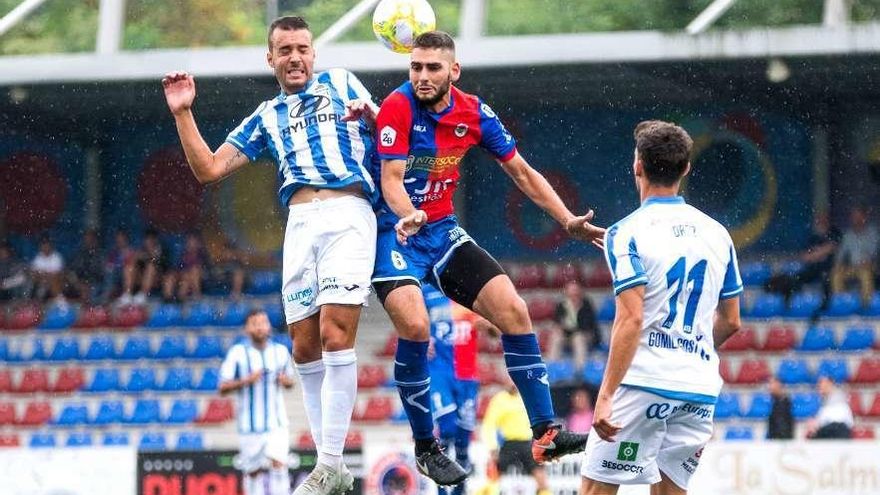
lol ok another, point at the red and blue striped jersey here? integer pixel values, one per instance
(433, 144)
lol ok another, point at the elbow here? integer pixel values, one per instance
(734, 323)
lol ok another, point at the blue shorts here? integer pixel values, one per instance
(424, 255)
(449, 395)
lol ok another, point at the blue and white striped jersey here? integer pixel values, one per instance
(260, 405)
(305, 135)
(687, 263)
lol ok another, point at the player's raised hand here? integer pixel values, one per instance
(409, 225)
(602, 419)
(581, 228)
(180, 91)
(359, 109)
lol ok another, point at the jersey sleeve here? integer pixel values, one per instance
(230, 370)
(393, 123)
(248, 137)
(732, 285)
(356, 90)
(622, 255)
(494, 136)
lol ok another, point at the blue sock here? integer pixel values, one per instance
(413, 384)
(529, 373)
(462, 442)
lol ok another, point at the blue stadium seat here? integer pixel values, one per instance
(794, 371)
(818, 339)
(58, 317)
(110, 412)
(190, 440)
(558, 371)
(755, 273)
(284, 339)
(38, 351)
(727, 406)
(183, 411)
(164, 316)
(760, 406)
(152, 440)
(4, 350)
(43, 439)
(210, 381)
(276, 314)
(66, 349)
(767, 306)
(791, 267)
(843, 304)
(104, 380)
(835, 369)
(606, 311)
(804, 305)
(873, 307)
(207, 347)
(141, 380)
(594, 370)
(233, 315)
(171, 347)
(200, 314)
(805, 405)
(115, 438)
(739, 433)
(79, 439)
(176, 380)
(263, 283)
(146, 411)
(857, 339)
(100, 348)
(136, 347)
(73, 415)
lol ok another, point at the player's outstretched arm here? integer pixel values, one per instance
(625, 333)
(727, 321)
(208, 166)
(536, 187)
(411, 219)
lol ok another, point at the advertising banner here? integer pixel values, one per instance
(73, 471)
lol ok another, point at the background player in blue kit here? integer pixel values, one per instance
(425, 128)
(677, 288)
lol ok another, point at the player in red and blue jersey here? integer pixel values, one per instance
(425, 128)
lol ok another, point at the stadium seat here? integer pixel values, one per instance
(190, 440)
(874, 410)
(867, 372)
(263, 283)
(110, 412)
(115, 439)
(530, 276)
(304, 441)
(563, 274)
(284, 339)
(725, 372)
(598, 277)
(59, 317)
(560, 371)
(182, 411)
(488, 344)
(164, 316)
(128, 317)
(200, 314)
(856, 404)
(743, 340)
(818, 339)
(210, 381)
(104, 380)
(541, 308)
(207, 347)
(779, 339)
(4, 348)
(753, 371)
(766, 306)
(857, 339)
(843, 304)
(234, 315)
(66, 349)
(794, 371)
(805, 405)
(218, 411)
(79, 439)
(33, 381)
(275, 312)
(176, 380)
(371, 376)
(606, 310)
(43, 439)
(804, 305)
(100, 348)
(736, 433)
(7, 413)
(727, 406)
(873, 307)
(92, 317)
(760, 406)
(146, 411)
(36, 413)
(23, 318)
(171, 347)
(863, 432)
(73, 415)
(9, 440)
(152, 441)
(136, 347)
(390, 346)
(38, 351)
(354, 439)
(755, 273)
(141, 380)
(377, 409)
(835, 369)
(488, 373)
(594, 370)
(5, 380)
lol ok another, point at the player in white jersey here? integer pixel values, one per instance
(319, 132)
(676, 284)
(256, 370)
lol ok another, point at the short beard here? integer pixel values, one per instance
(433, 100)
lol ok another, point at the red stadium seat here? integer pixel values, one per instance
(542, 308)
(5, 381)
(7, 413)
(390, 346)
(305, 440)
(863, 432)
(529, 276)
(545, 336)
(218, 411)
(128, 316)
(371, 376)
(354, 439)
(9, 440)
(23, 318)
(32, 381)
(92, 317)
(376, 409)
(856, 403)
(780, 339)
(36, 414)
(488, 373)
(562, 274)
(69, 380)
(599, 277)
(874, 410)
(867, 372)
(753, 371)
(488, 344)
(744, 340)
(724, 371)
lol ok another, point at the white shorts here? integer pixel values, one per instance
(658, 434)
(258, 450)
(329, 252)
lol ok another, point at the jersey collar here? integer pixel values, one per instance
(663, 200)
(282, 95)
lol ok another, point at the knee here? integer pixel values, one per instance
(514, 317)
(305, 353)
(413, 327)
(337, 335)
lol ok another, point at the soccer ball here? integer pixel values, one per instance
(397, 23)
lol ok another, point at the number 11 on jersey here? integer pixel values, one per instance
(680, 278)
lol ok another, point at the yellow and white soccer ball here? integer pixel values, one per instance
(397, 23)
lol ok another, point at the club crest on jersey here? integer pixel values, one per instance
(460, 130)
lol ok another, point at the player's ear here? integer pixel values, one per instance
(638, 167)
(455, 71)
(687, 170)
(269, 59)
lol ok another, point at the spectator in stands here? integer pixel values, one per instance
(86, 275)
(817, 259)
(47, 270)
(780, 423)
(835, 418)
(14, 280)
(580, 419)
(576, 325)
(227, 271)
(154, 268)
(855, 258)
(192, 267)
(119, 268)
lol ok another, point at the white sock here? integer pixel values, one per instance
(256, 484)
(279, 481)
(312, 377)
(338, 396)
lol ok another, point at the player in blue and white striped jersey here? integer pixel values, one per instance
(319, 132)
(256, 370)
